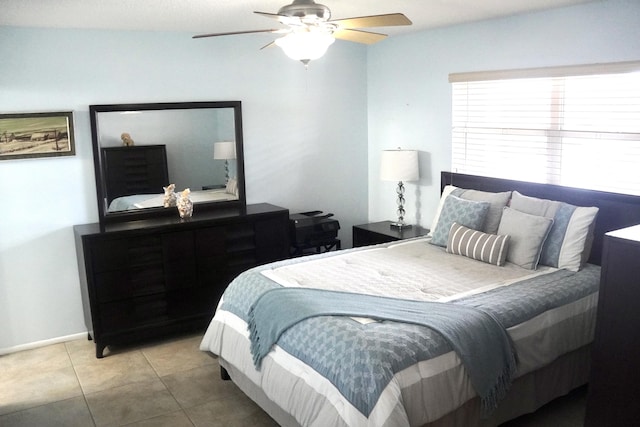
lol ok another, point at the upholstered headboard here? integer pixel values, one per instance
(615, 210)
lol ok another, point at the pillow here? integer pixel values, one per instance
(569, 243)
(497, 200)
(445, 192)
(489, 248)
(465, 212)
(528, 233)
(232, 187)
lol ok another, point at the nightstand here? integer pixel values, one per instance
(381, 232)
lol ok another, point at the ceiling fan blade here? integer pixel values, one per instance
(199, 36)
(284, 19)
(388, 20)
(358, 36)
(268, 45)
(269, 15)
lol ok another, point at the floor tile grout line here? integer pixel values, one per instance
(30, 408)
(182, 408)
(76, 358)
(17, 411)
(144, 354)
(84, 395)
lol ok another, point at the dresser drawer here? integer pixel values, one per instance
(240, 238)
(135, 312)
(272, 240)
(128, 283)
(116, 254)
(181, 274)
(193, 302)
(178, 246)
(210, 242)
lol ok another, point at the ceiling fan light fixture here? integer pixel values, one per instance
(306, 10)
(305, 46)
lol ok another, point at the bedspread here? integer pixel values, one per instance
(342, 349)
(477, 337)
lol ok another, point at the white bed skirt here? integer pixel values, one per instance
(528, 393)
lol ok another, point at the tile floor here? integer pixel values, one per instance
(170, 383)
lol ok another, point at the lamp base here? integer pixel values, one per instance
(400, 225)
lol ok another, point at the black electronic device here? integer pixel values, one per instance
(314, 227)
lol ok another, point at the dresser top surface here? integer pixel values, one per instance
(628, 233)
(176, 222)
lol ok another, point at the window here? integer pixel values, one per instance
(574, 126)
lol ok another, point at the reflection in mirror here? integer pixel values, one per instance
(139, 149)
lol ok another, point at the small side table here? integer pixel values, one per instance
(381, 232)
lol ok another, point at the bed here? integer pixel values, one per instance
(342, 338)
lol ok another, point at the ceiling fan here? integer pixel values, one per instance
(311, 31)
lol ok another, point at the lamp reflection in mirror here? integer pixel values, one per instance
(224, 150)
(305, 46)
(399, 165)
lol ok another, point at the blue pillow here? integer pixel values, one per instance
(465, 212)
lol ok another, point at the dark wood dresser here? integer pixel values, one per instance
(156, 277)
(614, 384)
(140, 169)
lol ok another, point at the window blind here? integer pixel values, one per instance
(577, 130)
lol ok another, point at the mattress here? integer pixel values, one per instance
(308, 374)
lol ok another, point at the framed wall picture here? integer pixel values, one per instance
(27, 135)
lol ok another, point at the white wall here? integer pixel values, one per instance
(305, 136)
(410, 97)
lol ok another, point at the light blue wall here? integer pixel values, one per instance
(305, 136)
(410, 96)
(306, 143)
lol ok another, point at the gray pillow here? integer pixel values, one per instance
(569, 242)
(528, 233)
(489, 248)
(498, 202)
(465, 212)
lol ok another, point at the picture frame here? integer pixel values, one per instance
(31, 135)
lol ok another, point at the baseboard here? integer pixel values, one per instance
(44, 343)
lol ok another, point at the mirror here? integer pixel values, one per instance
(139, 149)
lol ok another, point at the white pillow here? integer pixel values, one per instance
(232, 187)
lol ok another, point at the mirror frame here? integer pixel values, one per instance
(146, 213)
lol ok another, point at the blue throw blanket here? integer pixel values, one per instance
(477, 337)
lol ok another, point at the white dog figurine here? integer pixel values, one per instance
(185, 205)
(170, 196)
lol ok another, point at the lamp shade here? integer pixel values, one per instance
(305, 45)
(399, 165)
(224, 150)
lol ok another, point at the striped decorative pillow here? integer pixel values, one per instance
(490, 248)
